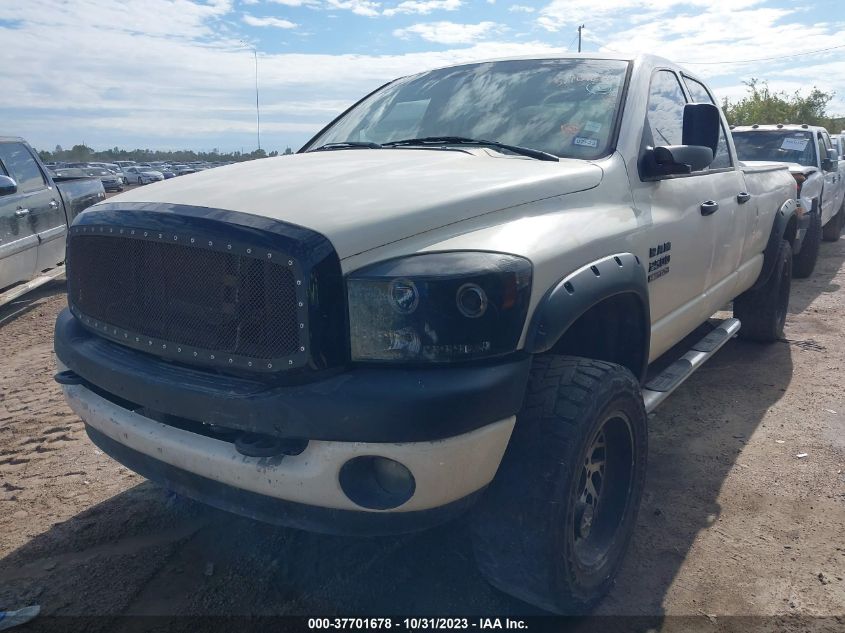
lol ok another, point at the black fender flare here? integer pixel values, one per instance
(582, 289)
(784, 217)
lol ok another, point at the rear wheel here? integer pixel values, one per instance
(805, 261)
(554, 525)
(762, 311)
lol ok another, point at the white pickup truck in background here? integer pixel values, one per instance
(460, 296)
(819, 171)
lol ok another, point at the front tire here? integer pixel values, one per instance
(554, 525)
(762, 311)
(805, 261)
(833, 229)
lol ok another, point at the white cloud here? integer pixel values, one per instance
(278, 23)
(359, 7)
(190, 86)
(449, 32)
(521, 8)
(601, 13)
(424, 7)
(175, 75)
(296, 3)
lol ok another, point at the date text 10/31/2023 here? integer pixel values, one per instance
(417, 623)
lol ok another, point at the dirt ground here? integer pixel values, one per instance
(735, 521)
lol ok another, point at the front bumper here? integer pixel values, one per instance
(363, 404)
(447, 472)
(449, 427)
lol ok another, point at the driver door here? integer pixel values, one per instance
(691, 247)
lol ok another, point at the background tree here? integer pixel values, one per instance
(763, 106)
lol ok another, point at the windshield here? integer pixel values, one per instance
(566, 107)
(776, 145)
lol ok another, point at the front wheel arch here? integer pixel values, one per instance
(784, 227)
(599, 311)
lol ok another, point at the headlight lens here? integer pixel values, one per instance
(438, 307)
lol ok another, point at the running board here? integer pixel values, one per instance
(661, 386)
(16, 291)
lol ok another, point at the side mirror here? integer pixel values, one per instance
(676, 159)
(7, 186)
(702, 126)
(829, 164)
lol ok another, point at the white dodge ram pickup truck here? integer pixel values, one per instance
(448, 300)
(814, 162)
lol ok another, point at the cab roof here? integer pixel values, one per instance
(640, 59)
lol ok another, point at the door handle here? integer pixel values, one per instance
(21, 212)
(709, 207)
(54, 204)
(743, 196)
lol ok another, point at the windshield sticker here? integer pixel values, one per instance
(569, 128)
(605, 87)
(585, 142)
(797, 144)
(592, 126)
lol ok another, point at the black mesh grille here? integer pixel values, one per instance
(231, 304)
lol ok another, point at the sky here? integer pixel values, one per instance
(180, 74)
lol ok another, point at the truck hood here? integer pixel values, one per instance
(365, 198)
(795, 168)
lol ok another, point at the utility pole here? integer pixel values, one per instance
(257, 111)
(579, 38)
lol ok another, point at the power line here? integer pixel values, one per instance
(568, 46)
(742, 61)
(767, 59)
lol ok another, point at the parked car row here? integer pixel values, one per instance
(130, 172)
(111, 180)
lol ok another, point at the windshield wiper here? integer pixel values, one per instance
(346, 145)
(461, 140)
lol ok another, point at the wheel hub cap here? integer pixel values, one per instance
(592, 478)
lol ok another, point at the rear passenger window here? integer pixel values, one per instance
(699, 94)
(666, 103)
(20, 165)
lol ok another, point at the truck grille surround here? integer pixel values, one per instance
(202, 297)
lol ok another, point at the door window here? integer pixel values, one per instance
(700, 94)
(19, 163)
(823, 153)
(666, 101)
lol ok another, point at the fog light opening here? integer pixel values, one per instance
(376, 483)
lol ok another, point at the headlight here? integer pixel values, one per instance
(438, 307)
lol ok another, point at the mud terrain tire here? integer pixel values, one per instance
(536, 535)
